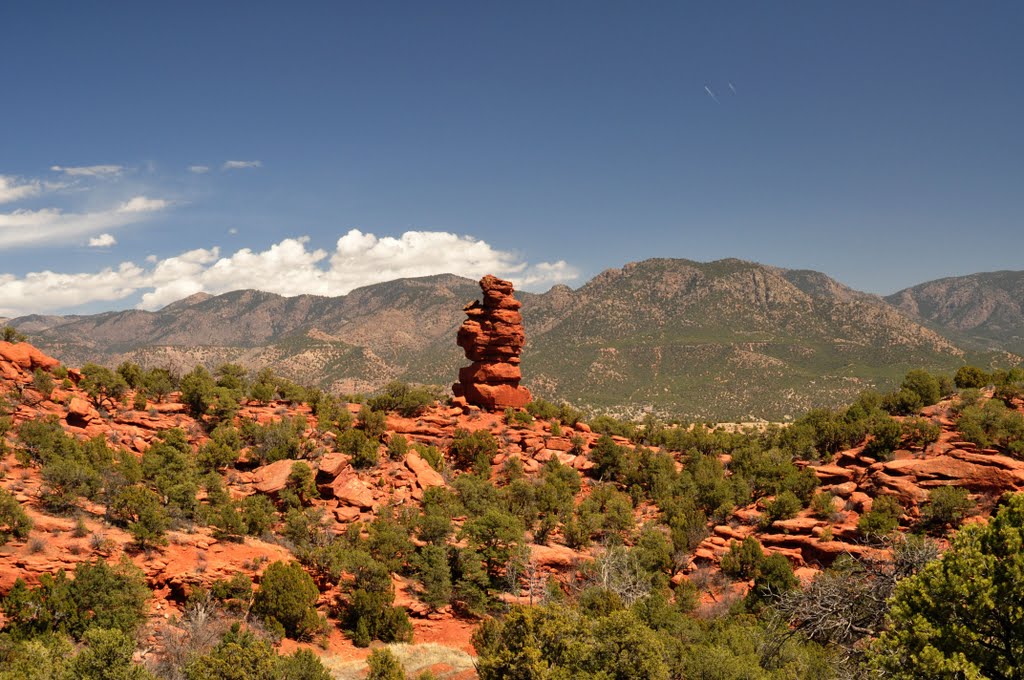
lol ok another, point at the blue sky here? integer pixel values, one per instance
(878, 142)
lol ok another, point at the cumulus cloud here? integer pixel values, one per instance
(89, 170)
(13, 189)
(25, 227)
(290, 267)
(199, 169)
(239, 165)
(102, 241)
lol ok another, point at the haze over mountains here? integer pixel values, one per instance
(725, 340)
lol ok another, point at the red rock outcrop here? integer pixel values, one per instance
(493, 338)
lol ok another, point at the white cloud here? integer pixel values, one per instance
(13, 189)
(141, 204)
(233, 231)
(288, 268)
(24, 227)
(102, 241)
(238, 165)
(89, 170)
(199, 169)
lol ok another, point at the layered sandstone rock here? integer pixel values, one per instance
(493, 338)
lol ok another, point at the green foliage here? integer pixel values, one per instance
(495, 535)
(517, 418)
(784, 506)
(609, 459)
(407, 400)
(398, 447)
(42, 383)
(947, 505)
(274, 441)
(883, 519)
(993, 425)
(235, 593)
(558, 642)
(302, 665)
(197, 391)
(921, 432)
(971, 377)
(288, 596)
(773, 576)
(469, 449)
(363, 450)
(107, 655)
(132, 374)
(100, 595)
(960, 616)
(366, 612)
(104, 387)
(886, 435)
(14, 522)
(169, 468)
(925, 385)
(431, 454)
(902, 402)
(302, 483)
(823, 505)
(140, 510)
(240, 655)
(373, 423)
(158, 383)
(434, 576)
(743, 559)
(11, 334)
(221, 450)
(384, 666)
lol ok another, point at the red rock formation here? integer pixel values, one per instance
(493, 338)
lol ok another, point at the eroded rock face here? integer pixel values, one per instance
(493, 338)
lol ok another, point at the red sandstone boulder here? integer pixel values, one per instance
(492, 338)
(426, 476)
(352, 491)
(272, 478)
(26, 356)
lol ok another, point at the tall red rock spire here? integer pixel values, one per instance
(493, 338)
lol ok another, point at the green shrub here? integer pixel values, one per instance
(407, 400)
(886, 435)
(362, 450)
(784, 506)
(100, 595)
(947, 505)
(140, 510)
(516, 418)
(925, 385)
(288, 596)
(398, 447)
(14, 522)
(883, 519)
(823, 505)
(971, 377)
(743, 559)
(373, 423)
(384, 666)
(470, 449)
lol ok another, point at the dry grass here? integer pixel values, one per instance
(414, 658)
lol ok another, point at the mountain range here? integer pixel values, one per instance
(723, 340)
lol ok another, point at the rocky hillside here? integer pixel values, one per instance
(726, 340)
(358, 506)
(985, 310)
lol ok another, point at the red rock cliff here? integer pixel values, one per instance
(493, 338)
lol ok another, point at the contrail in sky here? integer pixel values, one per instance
(710, 93)
(732, 88)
